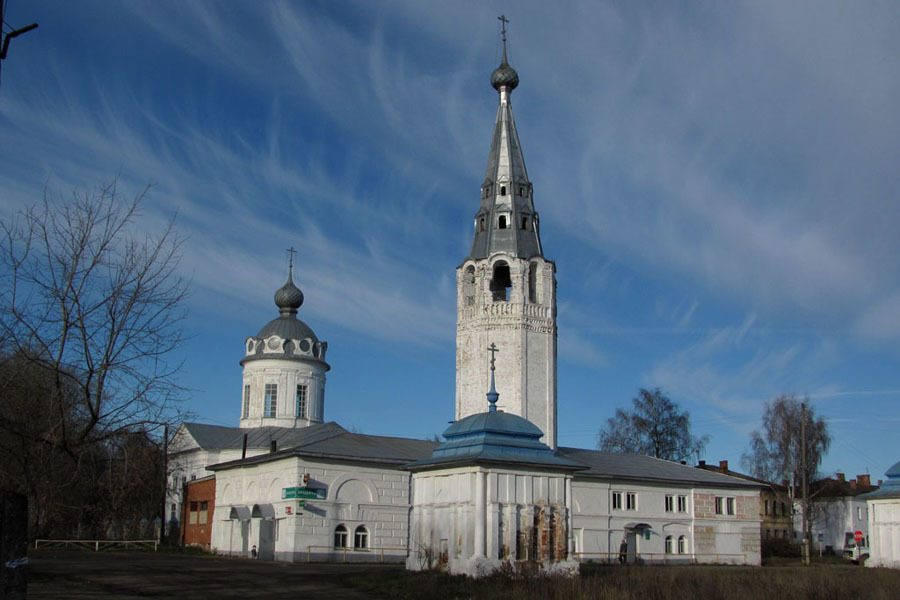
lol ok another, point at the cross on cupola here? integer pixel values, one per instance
(492, 395)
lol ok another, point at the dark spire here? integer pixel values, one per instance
(506, 220)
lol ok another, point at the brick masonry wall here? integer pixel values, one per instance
(198, 534)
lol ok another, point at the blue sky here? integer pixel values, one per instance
(717, 184)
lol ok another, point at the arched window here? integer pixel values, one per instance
(469, 286)
(532, 283)
(361, 538)
(682, 545)
(502, 222)
(669, 545)
(481, 224)
(502, 190)
(340, 537)
(500, 282)
(525, 223)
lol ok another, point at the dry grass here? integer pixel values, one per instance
(825, 582)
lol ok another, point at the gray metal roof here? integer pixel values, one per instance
(289, 298)
(217, 437)
(339, 444)
(506, 190)
(331, 441)
(608, 465)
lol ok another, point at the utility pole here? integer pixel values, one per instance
(805, 483)
(165, 487)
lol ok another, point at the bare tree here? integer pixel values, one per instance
(98, 305)
(776, 450)
(91, 310)
(655, 427)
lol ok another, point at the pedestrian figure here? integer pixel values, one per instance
(623, 551)
(253, 553)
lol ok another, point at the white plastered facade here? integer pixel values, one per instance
(251, 511)
(884, 532)
(695, 534)
(472, 519)
(286, 375)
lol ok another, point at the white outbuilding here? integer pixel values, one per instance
(884, 521)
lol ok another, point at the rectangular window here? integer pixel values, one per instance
(245, 410)
(729, 505)
(192, 515)
(204, 508)
(783, 510)
(767, 510)
(271, 399)
(769, 533)
(720, 501)
(859, 512)
(630, 501)
(617, 500)
(682, 504)
(301, 401)
(670, 503)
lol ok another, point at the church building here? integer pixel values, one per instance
(289, 485)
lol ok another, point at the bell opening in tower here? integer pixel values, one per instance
(501, 283)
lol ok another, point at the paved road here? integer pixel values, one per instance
(79, 575)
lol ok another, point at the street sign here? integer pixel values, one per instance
(303, 492)
(858, 536)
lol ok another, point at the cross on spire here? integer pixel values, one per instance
(503, 20)
(492, 396)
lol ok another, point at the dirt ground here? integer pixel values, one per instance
(63, 574)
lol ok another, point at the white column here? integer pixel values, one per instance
(480, 512)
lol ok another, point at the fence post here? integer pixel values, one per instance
(96, 546)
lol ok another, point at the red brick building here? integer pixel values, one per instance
(197, 511)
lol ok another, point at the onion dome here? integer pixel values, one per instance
(286, 336)
(288, 298)
(504, 76)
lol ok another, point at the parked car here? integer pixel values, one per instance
(855, 553)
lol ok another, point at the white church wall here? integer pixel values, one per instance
(884, 533)
(451, 527)
(357, 496)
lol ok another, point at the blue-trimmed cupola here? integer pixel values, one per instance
(506, 220)
(494, 436)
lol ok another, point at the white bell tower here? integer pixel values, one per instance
(506, 289)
